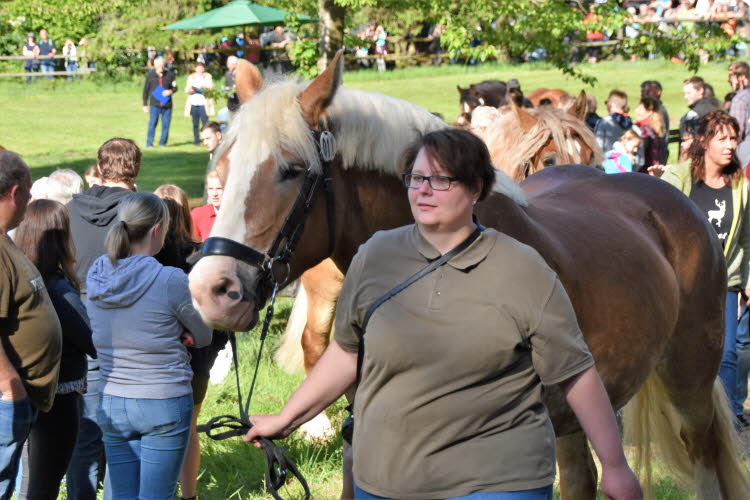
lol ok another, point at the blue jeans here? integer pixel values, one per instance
(145, 441)
(16, 419)
(82, 478)
(743, 360)
(199, 115)
(71, 68)
(154, 112)
(48, 68)
(30, 69)
(728, 369)
(544, 493)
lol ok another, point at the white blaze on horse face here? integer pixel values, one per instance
(574, 148)
(230, 220)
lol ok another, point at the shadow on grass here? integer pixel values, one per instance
(185, 169)
(235, 469)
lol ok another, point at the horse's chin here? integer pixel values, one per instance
(241, 318)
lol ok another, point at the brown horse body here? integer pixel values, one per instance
(645, 276)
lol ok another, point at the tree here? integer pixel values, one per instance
(486, 29)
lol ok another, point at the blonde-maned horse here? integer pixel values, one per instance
(643, 269)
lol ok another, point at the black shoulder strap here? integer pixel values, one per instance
(399, 288)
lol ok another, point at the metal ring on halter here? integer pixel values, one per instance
(327, 146)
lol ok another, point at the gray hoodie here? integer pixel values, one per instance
(138, 311)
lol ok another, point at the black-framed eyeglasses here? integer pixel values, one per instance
(436, 182)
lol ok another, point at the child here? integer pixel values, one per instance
(610, 128)
(622, 156)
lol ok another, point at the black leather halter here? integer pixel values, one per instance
(274, 263)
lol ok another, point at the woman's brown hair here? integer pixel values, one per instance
(460, 153)
(180, 221)
(44, 237)
(657, 120)
(119, 160)
(709, 127)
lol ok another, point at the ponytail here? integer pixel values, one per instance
(138, 213)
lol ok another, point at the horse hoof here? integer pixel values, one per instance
(318, 429)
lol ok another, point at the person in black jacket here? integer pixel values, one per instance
(44, 236)
(92, 213)
(157, 100)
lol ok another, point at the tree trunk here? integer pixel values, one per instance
(331, 27)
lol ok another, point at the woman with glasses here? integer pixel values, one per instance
(449, 402)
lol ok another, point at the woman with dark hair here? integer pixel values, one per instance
(44, 236)
(449, 401)
(650, 125)
(713, 179)
(140, 313)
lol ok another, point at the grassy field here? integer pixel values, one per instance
(55, 125)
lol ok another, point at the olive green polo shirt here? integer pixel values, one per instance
(450, 400)
(29, 327)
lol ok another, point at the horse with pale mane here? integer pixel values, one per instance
(644, 273)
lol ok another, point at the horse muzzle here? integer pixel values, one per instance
(228, 294)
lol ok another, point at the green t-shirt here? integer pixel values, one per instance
(29, 327)
(450, 400)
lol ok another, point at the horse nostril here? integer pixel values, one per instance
(222, 287)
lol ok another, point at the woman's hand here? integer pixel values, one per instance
(658, 170)
(746, 297)
(268, 426)
(619, 483)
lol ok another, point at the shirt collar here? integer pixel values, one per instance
(470, 257)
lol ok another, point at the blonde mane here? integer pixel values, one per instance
(512, 147)
(371, 131)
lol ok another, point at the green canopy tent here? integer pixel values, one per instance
(236, 13)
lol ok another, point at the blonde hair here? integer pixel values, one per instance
(138, 213)
(630, 135)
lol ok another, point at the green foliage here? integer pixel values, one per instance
(304, 54)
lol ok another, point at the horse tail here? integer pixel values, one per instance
(652, 424)
(288, 354)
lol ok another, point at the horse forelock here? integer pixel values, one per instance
(513, 147)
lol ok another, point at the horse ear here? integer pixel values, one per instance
(318, 95)
(460, 90)
(248, 80)
(578, 109)
(524, 119)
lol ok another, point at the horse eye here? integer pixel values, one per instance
(549, 161)
(289, 172)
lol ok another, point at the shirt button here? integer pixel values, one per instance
(438, 293)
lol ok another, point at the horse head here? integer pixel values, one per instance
(522, 142)
(264, 168)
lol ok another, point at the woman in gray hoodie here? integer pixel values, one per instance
(141, 312)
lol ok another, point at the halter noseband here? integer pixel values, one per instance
(274, 263)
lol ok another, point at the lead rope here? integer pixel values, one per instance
(278, 465)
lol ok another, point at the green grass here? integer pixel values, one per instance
(55, 125)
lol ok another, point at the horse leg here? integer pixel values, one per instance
(578, 475)
(323, 285)
(311, 319)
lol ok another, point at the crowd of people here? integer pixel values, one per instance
(107, 361)
(710, 168)
(39, 56)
